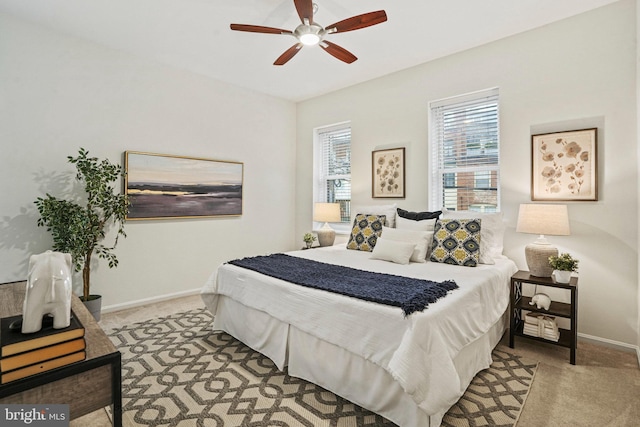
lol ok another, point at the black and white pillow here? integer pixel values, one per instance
(365, 232)
(457, 242)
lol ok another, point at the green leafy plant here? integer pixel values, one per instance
(563, 262)
(79, 229)
(309, 238)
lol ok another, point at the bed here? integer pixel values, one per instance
(407, 368)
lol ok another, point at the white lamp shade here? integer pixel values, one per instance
(326, 212)
(542, 219)
(552, 220)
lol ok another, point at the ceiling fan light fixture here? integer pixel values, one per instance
(309, 35)
(309, 39)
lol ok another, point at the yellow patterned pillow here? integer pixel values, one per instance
(457, 242)
(365, 232)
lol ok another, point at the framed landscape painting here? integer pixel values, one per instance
(161, 186)
(564, 166)
(388, 174)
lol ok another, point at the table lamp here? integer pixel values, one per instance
(542, 219)
(326, 212)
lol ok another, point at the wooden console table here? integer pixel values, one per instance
(85, 386)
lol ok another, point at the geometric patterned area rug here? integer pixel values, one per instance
(177, 372)
(496, 395)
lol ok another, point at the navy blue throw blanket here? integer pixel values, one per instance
(405, 292)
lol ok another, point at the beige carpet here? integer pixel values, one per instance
(601, 390)
(176, 372)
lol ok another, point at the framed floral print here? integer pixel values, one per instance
(564, 166)
(388, 174)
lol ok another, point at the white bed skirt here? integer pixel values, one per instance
(341, 371)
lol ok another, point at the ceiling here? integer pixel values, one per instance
(194, 34)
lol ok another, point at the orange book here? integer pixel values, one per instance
(40, 355)
(13, 341)
(43, 367)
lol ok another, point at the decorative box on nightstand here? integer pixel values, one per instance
(518, 303)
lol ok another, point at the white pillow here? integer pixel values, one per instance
(394, 251)
(420, 239)
(491, 232)
(388, 210)
(410, 224)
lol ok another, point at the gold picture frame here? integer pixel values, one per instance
(564, 166)
(388, 174)
(163, 186)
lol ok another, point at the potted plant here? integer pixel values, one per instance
(309, 238)
(79, 228)
(564, 264)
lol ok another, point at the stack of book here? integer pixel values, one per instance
(539, 325)
(22, 355)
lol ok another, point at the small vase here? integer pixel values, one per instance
(562, 276)
(309, 244)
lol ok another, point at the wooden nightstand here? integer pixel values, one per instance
(519, 302)
(85, 386)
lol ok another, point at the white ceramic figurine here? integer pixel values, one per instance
(48, 291)
(541, 301)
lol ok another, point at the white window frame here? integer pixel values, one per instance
(437, 146)
(321, 176)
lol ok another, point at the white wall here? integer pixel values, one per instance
(59, 93)
(638, 140)
(580, 71)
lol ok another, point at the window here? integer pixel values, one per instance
(332, 170)
(465, 151)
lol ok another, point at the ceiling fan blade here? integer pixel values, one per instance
(288, 54)
(358, 22)
(305, 10)
(339, 52)
(259, 29)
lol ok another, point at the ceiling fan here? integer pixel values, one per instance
(310, 33)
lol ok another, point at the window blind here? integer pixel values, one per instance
(465, 144)
(334, 178)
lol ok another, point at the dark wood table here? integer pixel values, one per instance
(85, 386)
(519, 302)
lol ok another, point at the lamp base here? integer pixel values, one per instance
(326, 235)
(537, 256)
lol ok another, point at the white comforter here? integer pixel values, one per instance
(418, 350)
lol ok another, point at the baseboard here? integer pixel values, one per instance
(144, 301)
(618, 345)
